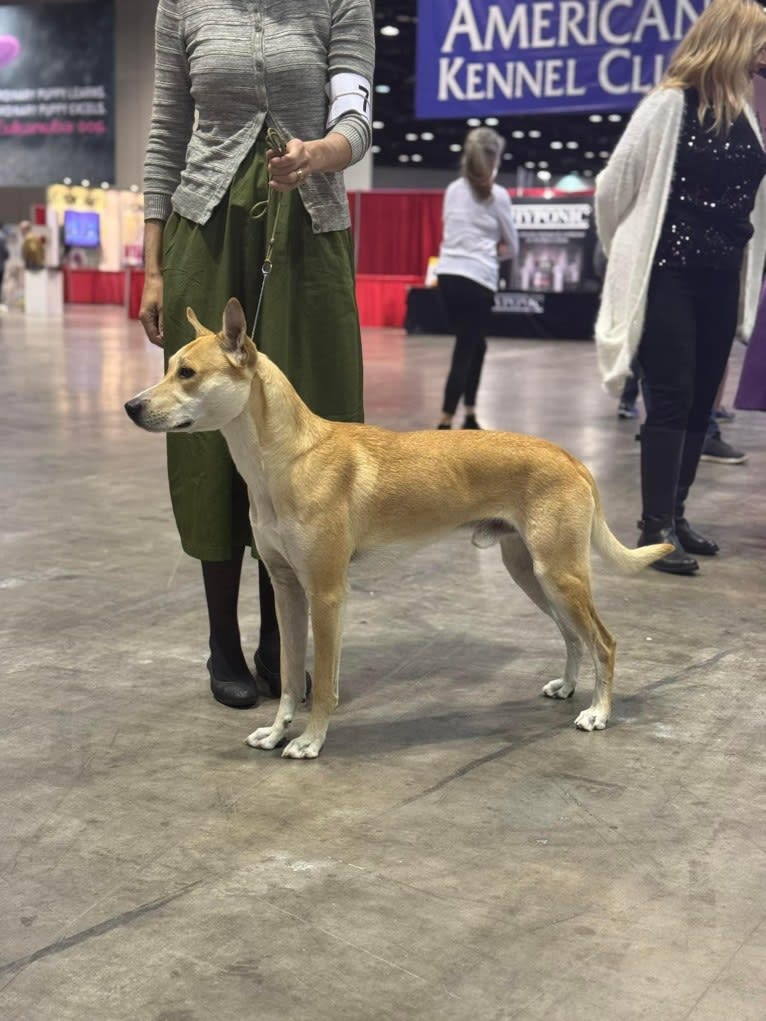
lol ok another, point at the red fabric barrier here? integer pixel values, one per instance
(94, 287)
(382, 299)
(396, 231)
(135, 290)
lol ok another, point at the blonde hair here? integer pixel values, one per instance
(482, 151)
(715, 57)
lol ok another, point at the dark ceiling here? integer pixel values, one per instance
(556, 144)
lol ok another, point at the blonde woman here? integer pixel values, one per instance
(681, 213)
(478, 233)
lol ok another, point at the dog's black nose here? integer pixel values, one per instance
(133, 408)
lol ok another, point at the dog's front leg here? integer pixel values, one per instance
(292, 617)
(326, 621)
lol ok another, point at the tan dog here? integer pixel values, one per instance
(322, 492)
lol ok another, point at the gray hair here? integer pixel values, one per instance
(482, 151)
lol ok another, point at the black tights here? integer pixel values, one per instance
(221, 580)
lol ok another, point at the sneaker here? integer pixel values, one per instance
(716, 449)
(723, 414)
(469, 422)
(625, 410)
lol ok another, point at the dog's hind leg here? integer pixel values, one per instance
(570, 596)
(327, 601)
(292, 616)
(519, 565)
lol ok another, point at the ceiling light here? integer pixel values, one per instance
(595, 118)
(473, 122)
(67, 180)
(573, 145)
(544, 175)
(604, 154)
(491, 122)
(507, 156)
(411, 136)
(417, 158)
(378, 125)
(105, 185)
(85, 183)
(543, 164)
(375, 150)
(389, 30)
(455, 147)
(590, 155)
(529, 165)
(615, 118)
(557, 145)
(404, 158)
(517, 134)
(535, 134)
(427, 136)
(383, 88)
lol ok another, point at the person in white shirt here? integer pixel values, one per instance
(478, 234)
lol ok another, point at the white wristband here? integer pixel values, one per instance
(347, 91)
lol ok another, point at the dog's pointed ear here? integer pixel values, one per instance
(234, 333)
(199, 329)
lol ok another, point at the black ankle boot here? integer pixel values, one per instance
(692, 541)
(241, 693)
(469, 422)
(654, 530)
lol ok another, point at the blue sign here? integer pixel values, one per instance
(475, 57)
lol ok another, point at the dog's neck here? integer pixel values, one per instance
(273, 429)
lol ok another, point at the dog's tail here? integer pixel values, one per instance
(629, 561)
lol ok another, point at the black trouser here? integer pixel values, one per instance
(691, 318)
(469, 307)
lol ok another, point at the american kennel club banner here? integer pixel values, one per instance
(476, 58)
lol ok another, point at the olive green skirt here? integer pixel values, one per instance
(308, 325)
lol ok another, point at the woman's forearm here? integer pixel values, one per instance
(153, 231)
(333, 152)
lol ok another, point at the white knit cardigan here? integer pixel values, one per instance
(631, 197)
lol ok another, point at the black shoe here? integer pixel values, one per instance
(677, 562)
(469, 422)
(239, 694)
(717, 450)
(692, 541)
(270, 681)
(444, 425)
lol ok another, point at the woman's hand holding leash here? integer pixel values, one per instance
(290, 170)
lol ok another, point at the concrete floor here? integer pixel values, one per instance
(459, 850)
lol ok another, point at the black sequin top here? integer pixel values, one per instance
(715, 180)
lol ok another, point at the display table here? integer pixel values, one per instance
(382, 299)
(43, 292)
(567, 316)
(94, 287)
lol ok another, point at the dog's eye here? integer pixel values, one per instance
(185, 372)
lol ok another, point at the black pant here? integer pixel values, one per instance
(691, 318)
(469, 307)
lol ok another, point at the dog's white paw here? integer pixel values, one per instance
(303, 747)
(266, 737)
(558, 689)
(591, 719)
